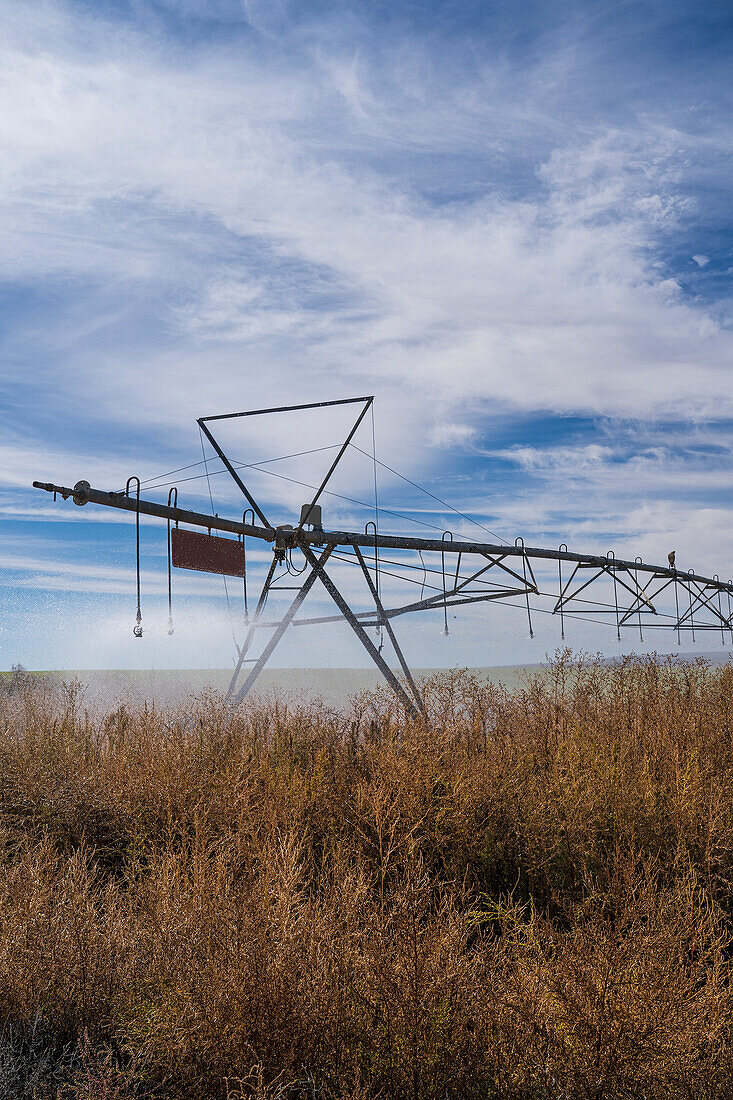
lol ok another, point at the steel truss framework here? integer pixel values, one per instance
(635, 593)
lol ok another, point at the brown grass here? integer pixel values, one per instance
(530, 895)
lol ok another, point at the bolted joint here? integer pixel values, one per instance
(81, 493)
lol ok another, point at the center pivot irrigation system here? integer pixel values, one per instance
(594, 587)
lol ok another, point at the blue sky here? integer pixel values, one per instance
(511, 223)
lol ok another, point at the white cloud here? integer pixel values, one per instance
(228, 227)
(546, 303)
(563, 459)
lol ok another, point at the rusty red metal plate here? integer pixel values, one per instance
(206, 553)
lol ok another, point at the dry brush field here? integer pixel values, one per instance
(529, 895)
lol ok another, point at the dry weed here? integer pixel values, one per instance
(528, 895)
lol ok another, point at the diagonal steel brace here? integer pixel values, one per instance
(253, 626)
(384, 621)
(362, 635)
(317, 565)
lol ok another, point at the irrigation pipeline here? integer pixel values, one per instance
(83, 493)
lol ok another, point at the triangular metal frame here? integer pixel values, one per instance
(203, 421)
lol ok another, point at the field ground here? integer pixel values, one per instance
(529, 894)
(333, 685)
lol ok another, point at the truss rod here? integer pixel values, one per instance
(423, 605)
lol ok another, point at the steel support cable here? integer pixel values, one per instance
(586, 615)
(437, 588)
(426, 569)
(583, 615)
(339, 496)
(172, 502)
(246, 465)
(603, 570)
(610, 610)
(386, 572)
(369, 402)
(427, 492)
(305, 485)
(160, 484)
(137, 630)
(642, 598)
(459, 581)
(349, 500)
(211, 500)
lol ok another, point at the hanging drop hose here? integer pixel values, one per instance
(246, 512)
(244, 580)
(677, 608)
(425, 576)
(137, 630)
(562, 546)
(445, 604)
(692, 618)
(610, 556)
(519, 540)
(377, 576)
(172, 501)
(379, 629)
